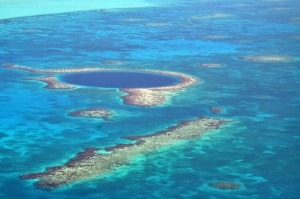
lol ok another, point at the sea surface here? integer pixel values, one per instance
(260, 150)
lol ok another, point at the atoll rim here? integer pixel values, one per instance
(150, 95)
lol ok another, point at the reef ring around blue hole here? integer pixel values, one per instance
(120, 79)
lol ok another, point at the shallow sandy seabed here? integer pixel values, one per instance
(90, 163)
(135, 96)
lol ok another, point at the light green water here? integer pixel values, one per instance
(22, 8)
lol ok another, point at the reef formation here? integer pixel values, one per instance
(224, 185)
(216, 110)
(212, 16)
(91, 163)
(158, 24)
(135, 96)
(210, 65)
(268, 58)
(53, 83)
(92, 113)
(112, 62)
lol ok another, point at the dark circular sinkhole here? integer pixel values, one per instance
(120, 79)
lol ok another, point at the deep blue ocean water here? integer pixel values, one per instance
(119, 79)
(260, 150)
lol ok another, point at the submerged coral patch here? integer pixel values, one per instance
(210, 65)
(268, 58)
(225, 185)
(112, 62)
(216, 110)
(92, 113)
(90, 163)
(212, 16)
(158, 24)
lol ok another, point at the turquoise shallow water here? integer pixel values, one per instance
(260, 150)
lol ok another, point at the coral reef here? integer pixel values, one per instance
(216, 110)
(158, 24)
(157, 96)
(90, 164)
(53, 83)
(210, 65)
(268, 58)
(113, 62)
(92, 113)
(135, 96)
(212, 16)
(225, 185)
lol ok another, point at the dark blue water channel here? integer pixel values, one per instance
(120, 79)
